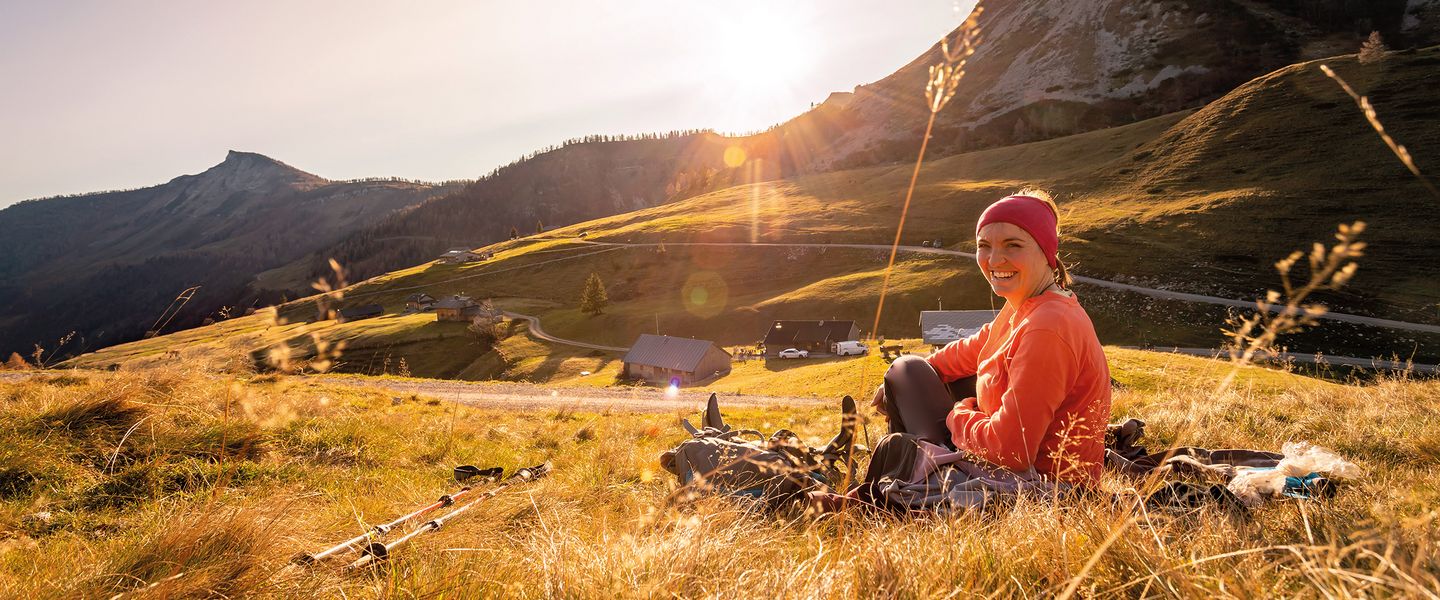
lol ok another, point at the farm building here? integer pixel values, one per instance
(661, 359)
(355, 313)
(940, 327)
(419, 302)
(813, 336)
(456, 308)
(463, 255)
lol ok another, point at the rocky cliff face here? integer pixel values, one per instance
(1051, 68)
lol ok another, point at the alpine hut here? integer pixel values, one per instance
(940, 327)
(816, 337)
(662, 360)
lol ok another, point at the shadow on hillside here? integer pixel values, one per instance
(550, 366)
(552, 363)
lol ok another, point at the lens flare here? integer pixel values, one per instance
(705, 294)
(734, 156)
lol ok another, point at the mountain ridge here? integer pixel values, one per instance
(97, 264)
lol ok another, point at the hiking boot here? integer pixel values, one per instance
(843, 443)
(712, 419)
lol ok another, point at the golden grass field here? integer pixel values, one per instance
(184, 481)
(185, 473)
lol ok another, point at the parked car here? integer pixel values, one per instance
(848, 348)
(793, 353)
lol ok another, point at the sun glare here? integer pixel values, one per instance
(754, 55)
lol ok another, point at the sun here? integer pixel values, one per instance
(762, 51)
(754, 56)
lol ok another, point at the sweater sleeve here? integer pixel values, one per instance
(960, 358)
(1039, 375)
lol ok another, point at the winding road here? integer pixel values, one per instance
(536, 331)
(540, 333)
(1324, 359)
(1152, 292)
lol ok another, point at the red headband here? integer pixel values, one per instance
(1031, 214)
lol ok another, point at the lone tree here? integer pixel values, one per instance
(1374, 48)
(16, 363)
(514, 233)
(539, 227)
(593, 300)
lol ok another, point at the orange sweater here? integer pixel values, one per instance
(1043, 390)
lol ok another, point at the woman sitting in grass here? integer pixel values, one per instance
(1031, 390)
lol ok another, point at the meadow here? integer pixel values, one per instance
(185, 472)
(186, 481)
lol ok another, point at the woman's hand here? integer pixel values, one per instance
(878, 402)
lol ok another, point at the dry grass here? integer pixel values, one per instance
(194, 524)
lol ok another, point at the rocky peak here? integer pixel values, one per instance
(250, 170)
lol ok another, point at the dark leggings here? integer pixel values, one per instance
(917, 400)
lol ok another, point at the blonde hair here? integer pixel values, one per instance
(1062, 274)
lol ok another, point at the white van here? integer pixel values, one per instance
(848, 348)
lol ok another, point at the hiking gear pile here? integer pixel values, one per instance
(375, 551)
(907, 473)
(775, 470)
(1235, 478)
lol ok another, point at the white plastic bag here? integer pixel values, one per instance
(1255, 486)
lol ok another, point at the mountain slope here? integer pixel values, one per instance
(105, 265)
(1045, 69)
(581, 180)
(1201, 201)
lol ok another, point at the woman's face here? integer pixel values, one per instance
(1012, 262)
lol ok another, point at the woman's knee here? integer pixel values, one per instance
(908, 367)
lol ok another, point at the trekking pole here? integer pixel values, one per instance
(376, 551)
(461, 474)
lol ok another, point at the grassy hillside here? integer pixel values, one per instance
(203, 484)
(1201, 202)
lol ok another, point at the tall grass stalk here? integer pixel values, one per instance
(940, 87)
(1363, 102)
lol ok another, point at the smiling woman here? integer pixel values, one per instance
(1031, 391)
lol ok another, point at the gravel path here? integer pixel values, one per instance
(519, 396)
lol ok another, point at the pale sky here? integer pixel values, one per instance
(120, 94)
